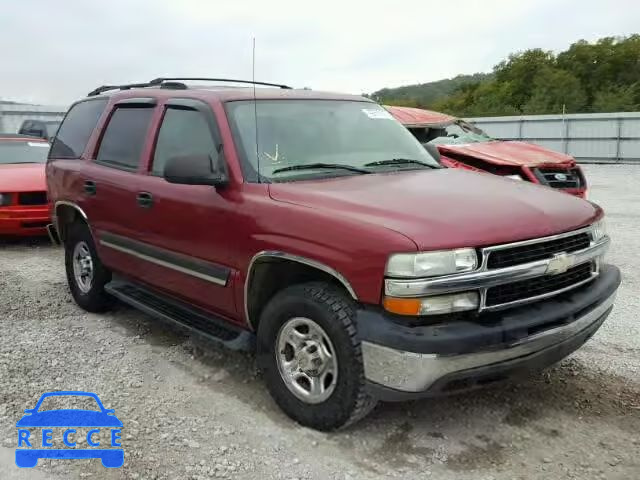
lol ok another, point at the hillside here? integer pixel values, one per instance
(426, 94)
(603, 76)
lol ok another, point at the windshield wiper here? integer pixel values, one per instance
(312, 166)
(399, 161)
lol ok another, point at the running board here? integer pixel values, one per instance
(183, 315)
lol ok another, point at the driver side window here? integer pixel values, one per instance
(183, 132)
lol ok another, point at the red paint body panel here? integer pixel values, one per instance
(350, 224)
(22, 177)
(23, 220)
(500, 157)
(511, 153)
(439, 209)
(418, 117)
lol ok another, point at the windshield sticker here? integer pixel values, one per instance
(377, 113)
(38, 144)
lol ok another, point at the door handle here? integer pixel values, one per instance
(144, 199)
(90, 187)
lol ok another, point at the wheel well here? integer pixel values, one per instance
(65, 216)
(269, 275)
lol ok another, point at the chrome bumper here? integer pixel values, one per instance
(414, 372)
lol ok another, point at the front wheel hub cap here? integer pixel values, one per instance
(306, 360)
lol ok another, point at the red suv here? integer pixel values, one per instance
(462, 145)
(314, 228)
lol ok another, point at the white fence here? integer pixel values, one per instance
(13, 114)
(590, 138)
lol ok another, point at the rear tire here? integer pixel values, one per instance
(86, 274)
(325, 319)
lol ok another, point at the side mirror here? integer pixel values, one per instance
(433, 151)
(30, 410)
(194, 170)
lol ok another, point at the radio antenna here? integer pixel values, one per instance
(255, 104)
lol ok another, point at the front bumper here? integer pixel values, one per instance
(402, 362)
(24, 221)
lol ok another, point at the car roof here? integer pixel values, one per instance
(418, 117)
(227, 94)
(20, 137)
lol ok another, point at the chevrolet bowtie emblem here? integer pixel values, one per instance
(560, 263)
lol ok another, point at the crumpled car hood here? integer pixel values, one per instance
(509, 153)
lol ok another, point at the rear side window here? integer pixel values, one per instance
(76, 129)
(183, 132)
(124, 137)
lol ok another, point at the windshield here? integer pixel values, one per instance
(318, 137)
(456, 132)
(13, 151)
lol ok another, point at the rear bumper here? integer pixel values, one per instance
(403, 362)
(24, 221)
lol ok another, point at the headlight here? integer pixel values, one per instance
(5, 199)
(599, 230)
(430, 264)
(514, 177)
(436, 305)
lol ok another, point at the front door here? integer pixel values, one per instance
(186, 231)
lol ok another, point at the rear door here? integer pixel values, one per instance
(69, 151)
(111, 180)
(187, 231)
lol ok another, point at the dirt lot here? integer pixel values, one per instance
(191, 410)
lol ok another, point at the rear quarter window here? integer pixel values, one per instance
(77, 127)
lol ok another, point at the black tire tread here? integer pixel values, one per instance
(342, 307)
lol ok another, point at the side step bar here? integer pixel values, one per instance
(185, 316)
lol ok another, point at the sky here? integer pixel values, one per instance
(54, 52)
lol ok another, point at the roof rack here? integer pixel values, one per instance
(173, 82)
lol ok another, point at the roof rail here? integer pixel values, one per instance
(173, 82)
(106, 88)
(160, 80)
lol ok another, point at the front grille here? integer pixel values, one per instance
(533, 287)
(559, 178)
(537, 251)
(32, 198)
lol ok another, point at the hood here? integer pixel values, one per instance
(444, 208)
(69, 418)
(510, 153)
(22, 177)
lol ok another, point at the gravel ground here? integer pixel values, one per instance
(191, 410)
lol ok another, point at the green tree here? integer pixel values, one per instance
(520, 71)
(618, 99)
(587, 77)
(552, 89)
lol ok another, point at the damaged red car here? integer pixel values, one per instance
(463, 145)
(23, 189)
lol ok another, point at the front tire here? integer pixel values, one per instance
(311, 357)
(86, 274)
